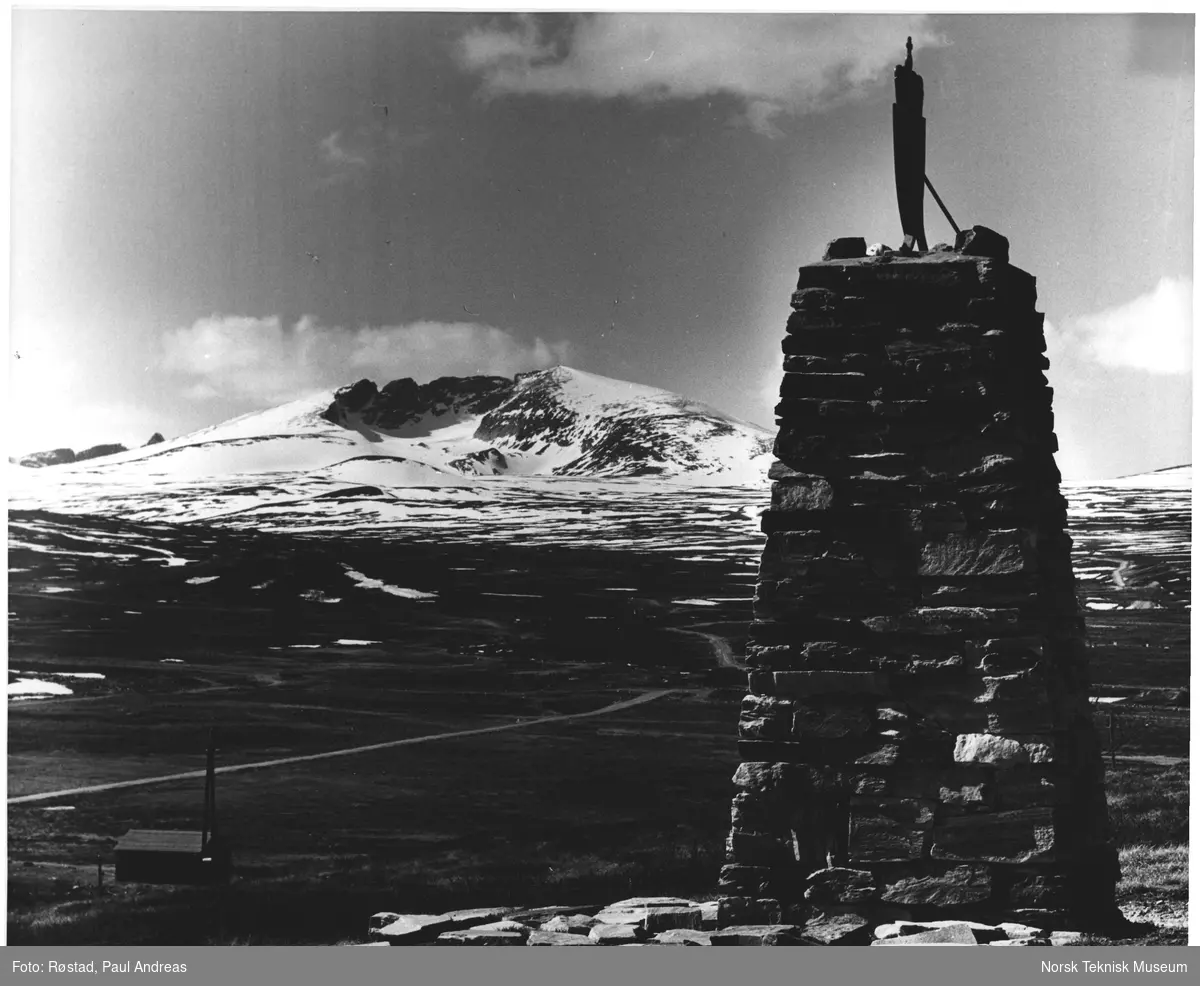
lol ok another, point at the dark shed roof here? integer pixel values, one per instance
(160, 840)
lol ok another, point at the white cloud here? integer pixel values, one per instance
(264, 361)
(773, 63)
(347, 153)
(334, 153)
(1152, 333)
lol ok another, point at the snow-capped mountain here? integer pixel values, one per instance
(557, 422)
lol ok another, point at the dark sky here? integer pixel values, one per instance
(214, 212)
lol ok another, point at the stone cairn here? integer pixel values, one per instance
(917, 741)
(920, 764)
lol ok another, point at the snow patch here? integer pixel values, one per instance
(367, 582)
(36, 688)
(317, 596)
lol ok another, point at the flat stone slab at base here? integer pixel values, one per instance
(474, 916)
(539, 915)
(932, 944)
(1013, 931)
(761, 934)
(616, 934)
(537, 938)
(414, 929)
(955, 933)
(652, 902)
(517, 926)
(676, 921)
(476, 936)
(452, 921)
(984, 934)
(653, 913)
(683, 936)
(571, 924)
(837, 929)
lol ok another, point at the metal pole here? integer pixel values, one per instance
(942, 205)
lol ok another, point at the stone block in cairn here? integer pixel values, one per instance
(916, 738)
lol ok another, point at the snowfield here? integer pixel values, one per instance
(554, 458)
(557, 433)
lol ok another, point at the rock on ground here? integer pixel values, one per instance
(477, 936)
(558, 938)
(414, 929)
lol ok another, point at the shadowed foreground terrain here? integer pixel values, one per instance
(303, 643)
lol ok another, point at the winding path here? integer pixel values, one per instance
(720, 647)
(186, 775)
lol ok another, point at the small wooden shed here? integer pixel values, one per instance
(170, 856)
(178, 855)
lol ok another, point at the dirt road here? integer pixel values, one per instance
(284, 761)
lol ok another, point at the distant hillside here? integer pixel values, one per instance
(557, 422)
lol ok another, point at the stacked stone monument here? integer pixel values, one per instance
(917, 742)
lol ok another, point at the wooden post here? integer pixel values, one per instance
(209, 830)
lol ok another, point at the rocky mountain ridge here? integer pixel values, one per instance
(63, 456)
(558, 422)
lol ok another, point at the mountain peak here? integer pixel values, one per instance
(556, 421)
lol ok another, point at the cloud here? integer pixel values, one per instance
(1152, 333)
(349, 153)
(266, 362)
(335, 154)
(773, 63)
